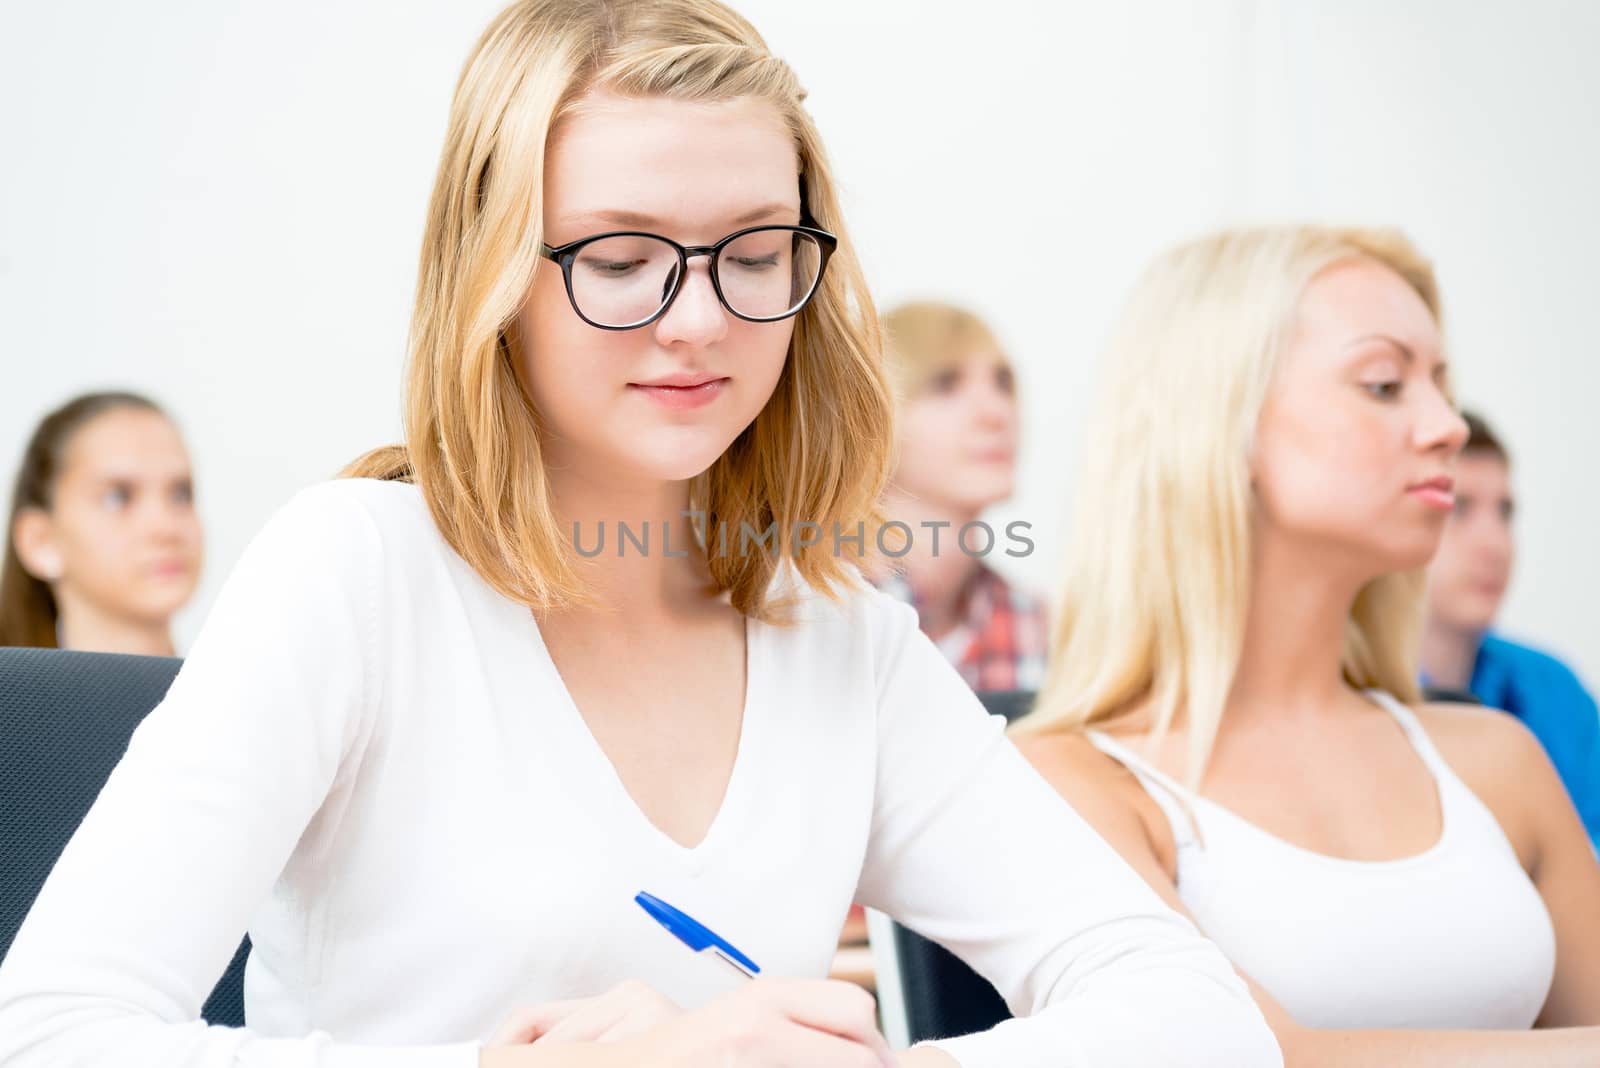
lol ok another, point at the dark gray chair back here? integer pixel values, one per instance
(65, 721)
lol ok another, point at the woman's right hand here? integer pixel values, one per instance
(774, 1023)
(766, 1023)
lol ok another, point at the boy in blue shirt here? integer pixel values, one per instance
(1466, 583)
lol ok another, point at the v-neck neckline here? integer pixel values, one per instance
(593, 776)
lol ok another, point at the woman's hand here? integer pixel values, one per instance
(766, 1023)
(626, 1010)
(774, 1023)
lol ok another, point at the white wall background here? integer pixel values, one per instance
(220, 204)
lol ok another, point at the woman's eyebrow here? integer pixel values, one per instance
(625, 218)
(766, 211)
(1441, 365)
(1405, 350)
(112, 476)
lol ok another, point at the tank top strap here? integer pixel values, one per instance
(1175, 802)
(1415, 733)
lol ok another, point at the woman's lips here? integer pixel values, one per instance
(681, 398)
(167, 569)
(1436, 493)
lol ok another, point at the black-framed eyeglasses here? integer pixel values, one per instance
(626, 279)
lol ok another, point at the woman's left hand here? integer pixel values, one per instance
(625, 1011)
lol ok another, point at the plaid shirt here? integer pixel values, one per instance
(1000, 642)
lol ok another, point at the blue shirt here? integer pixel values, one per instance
(1547, 697)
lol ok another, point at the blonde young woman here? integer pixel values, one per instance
(433, 741)
(1233, 700)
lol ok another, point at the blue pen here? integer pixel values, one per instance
(696, 935)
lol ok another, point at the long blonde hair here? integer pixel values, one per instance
(1152, 615)
(818, 452)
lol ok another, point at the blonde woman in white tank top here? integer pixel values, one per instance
(1233, 701)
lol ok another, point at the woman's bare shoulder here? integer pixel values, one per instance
(1501, 762)
(1070, 757)
(1478, 739)
(1103, 791)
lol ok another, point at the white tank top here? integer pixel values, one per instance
(1453, 937)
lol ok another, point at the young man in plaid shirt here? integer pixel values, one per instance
(956, 457)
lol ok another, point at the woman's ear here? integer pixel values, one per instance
(34, 536)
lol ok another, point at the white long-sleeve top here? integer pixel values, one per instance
(370, 761)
